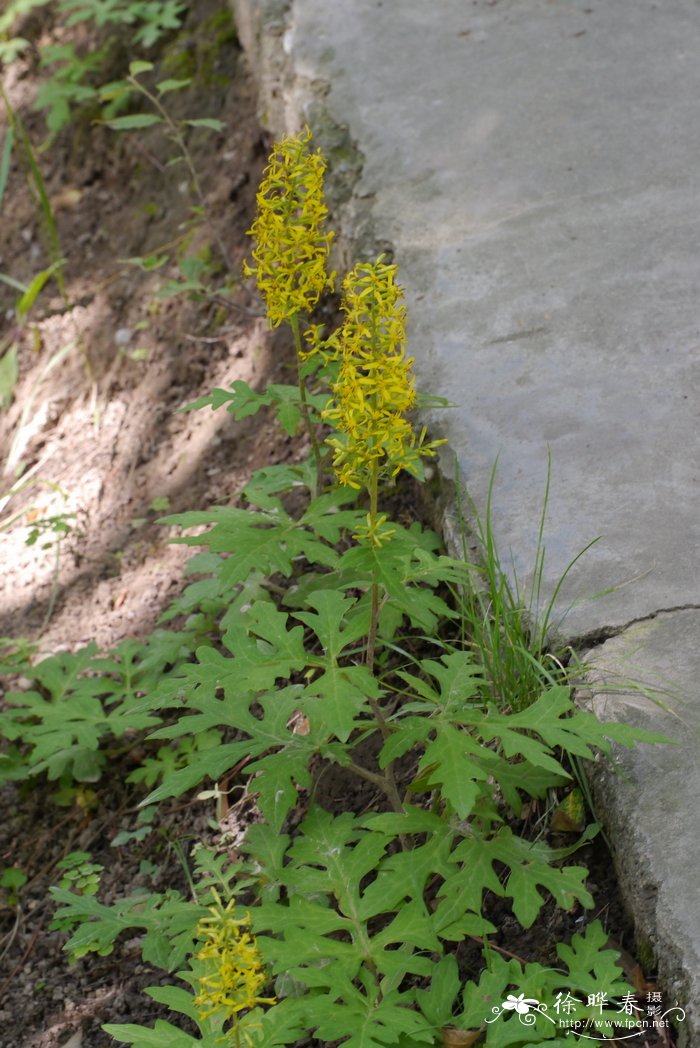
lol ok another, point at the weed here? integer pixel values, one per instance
(12, 880)
(511, 631)
(29, 160)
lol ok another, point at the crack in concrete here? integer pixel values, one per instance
(597, 637)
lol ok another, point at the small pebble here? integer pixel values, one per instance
(122, 336)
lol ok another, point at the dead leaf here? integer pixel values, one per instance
(120, 598)
(299, 724)
(570, 815)
(68, 197)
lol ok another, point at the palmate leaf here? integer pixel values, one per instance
(459, 679)
(279, 776)
(90, 698)
(342, 692)
(333, 701)
(264, 649)
(267, 483)
(339, 847)
(326, 517)
(334, 894)
(262, 541)
(592, 968)
(530, 868)
(482, 1001)
(405, 874)
(592, 965)
(332, 623)
(361, 1020)
(436, 1003)
(557, 720)
(266, 653)
(265, 733)
(452, 762)
(242, 401)
(461, 893)
(168, 921)
(398, 567)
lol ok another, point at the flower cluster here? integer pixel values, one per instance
(292, 247)
(375, 385)
(232, 974)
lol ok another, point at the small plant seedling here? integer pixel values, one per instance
(175, 130)
(12, 880)
(80, 874)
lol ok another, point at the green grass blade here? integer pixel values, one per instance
(54, 244)
(5, 160)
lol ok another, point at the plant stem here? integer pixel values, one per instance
(373, 489)
(179, 141)
(36, 178)
(305, 407)
(54, 587)
(386, 783)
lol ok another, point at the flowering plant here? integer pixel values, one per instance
(342, 654)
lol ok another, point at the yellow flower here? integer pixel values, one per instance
(375, 531)
(292, 247)
(232, 974)
(375, 384)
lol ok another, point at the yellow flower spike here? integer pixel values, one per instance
(291, 251)
(374, 532)
(232, 973)
(375, 385)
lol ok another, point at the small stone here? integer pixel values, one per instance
(122, 336)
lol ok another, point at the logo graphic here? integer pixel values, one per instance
(598, 1018)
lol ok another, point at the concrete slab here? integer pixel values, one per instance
(533, 165)
(649, 798)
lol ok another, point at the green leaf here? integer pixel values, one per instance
(27, 300)
(9, 373)
(452, 763)
(392, 565)
(463, 889)
(557, 720)
(279, 776)
(592, 964)
(209, 122)
(436, 1003)
(176, 998)
(11, 282)
(342, 691)
(369, 1022)
(531, 867)
(163, 1035)
(172, 85)
(332, 623)
(133, 121)
(5, 160)
(270, 481)
(139, 66)
(203, 767)
(262, 541)
(241, 399)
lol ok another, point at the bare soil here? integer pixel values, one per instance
(93, 438)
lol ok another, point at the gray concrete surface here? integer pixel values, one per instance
(533, 165)
(649, 798)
